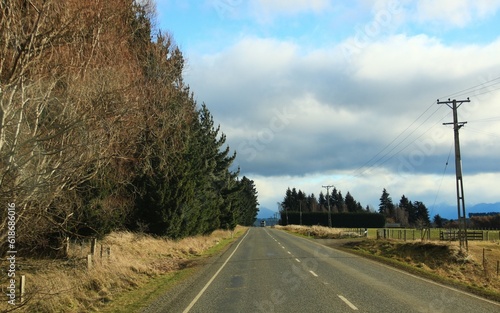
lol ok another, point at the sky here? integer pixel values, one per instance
(344, 93)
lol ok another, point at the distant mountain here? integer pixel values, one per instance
(265, 213)
(450, 211)
(484, 208)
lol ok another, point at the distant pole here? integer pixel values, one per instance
(300, 210)
(328, 202)
(462, 220)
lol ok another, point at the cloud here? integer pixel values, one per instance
(302, 118)
(290, 7)
(286, 111)
(454, 13)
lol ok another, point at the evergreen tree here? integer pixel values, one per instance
(322, 202)
(287, 202)
(386, 207)
(247, 203)
(438, 221)
(337, 202)
(410, 209)
(422, 213)
(350, 203)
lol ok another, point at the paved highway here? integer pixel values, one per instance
(268, 270)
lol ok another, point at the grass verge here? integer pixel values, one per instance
(139, 298)
(138, 269)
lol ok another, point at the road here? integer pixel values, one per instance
(268, 270)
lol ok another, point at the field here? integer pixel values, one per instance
(475, 270)
(136, 262)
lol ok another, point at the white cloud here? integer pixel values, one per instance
(422, 56)
(291, 6)
(454, 13)
(298, 118)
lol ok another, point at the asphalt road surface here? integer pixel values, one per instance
(268, 270)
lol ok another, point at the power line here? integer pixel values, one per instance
(396, 138)
(380, 161)
(360, 171)
(364, 168)
(442, 178)
(471, 89)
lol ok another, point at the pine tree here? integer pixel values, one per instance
(386, 207)
(438, 221)
(350, 203)
(322, 202)
(247, 203)
(422, 213)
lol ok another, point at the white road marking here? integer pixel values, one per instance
(288, 252)
(198, 296)
(297, 260)
(314, 274)
(352, 306)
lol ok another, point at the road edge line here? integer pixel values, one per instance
(202, 291)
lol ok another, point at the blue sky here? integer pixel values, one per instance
(316, 92)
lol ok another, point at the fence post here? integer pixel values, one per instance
(484, 260)
(93, 244)
(89, 262)
(109, 251)
(22, 287)
(66, 247)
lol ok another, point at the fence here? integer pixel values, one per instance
(404, 234)
(435, 234)
(457, 234)
(86, 253)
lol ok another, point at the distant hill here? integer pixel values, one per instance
(450, 211)
(265, 213)
(485, 208)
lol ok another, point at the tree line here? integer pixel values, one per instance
(299, 201)
(332, 210)
(99, 132)
(406, 213)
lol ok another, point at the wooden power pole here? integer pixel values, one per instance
(462, 219)
(328, 201)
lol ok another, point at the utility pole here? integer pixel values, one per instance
(300, 210)
(462, 219)
(328, 201)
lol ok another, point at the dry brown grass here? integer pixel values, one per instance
(443, 259)
(320, 231)
(67, 285)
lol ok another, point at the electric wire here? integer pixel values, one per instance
(473, 88)
(380, 160)
(390, 143)
(441, 182)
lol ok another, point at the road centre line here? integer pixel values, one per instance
(297, 260)
(198, 296)
(352, 306)
(313, 273)
(406, 273)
